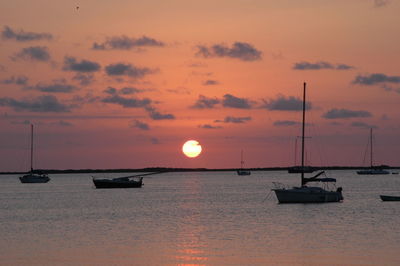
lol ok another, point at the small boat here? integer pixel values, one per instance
(390, 198)
(119, 182)
(133, 181)
(34, 176)
(304, 193)
(241, 171)
(299, 169)
(372, 170)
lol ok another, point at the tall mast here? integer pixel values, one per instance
(31, 147)
(241, 159)
(370, 136)
(302, 136)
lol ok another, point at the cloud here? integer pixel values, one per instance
(24, 122)
(320, 65)
(121, 69)
(61, 123)
(282, 103)
(33, 53)
(127, 102)
(155, 115)
(140, 125)
(123, 91)
(380, 3)
(239, 50)
(155, 140)
(285, 123)
(22, 36)
(204, 102)
(17, 80)
(58, 86)
(208, 126)
(362, 125)
(235, 120)
(181, 91)
(235, 102)
(84, 79)
(126, 43)
(210, 82)
(344, 114)
(41, 104)
(376, 78)
(84, 66)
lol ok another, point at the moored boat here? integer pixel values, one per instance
(390, 198)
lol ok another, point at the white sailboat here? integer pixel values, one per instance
(241, 171)
(304, 193)
(33, 177)
(372, 170)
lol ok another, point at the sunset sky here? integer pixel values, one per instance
(124, 83)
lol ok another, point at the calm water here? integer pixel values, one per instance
(214, 218)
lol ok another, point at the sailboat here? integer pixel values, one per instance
(33, 177)
(372, 170)
(304, 193)
(295, 169)
(241, 171)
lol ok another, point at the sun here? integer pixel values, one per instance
(191, 148)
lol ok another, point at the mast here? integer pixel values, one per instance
(302, 136)
(370, 136)
(241, 159)
(31, 147)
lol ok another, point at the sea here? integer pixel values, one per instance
(197, 218)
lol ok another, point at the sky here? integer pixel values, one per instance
(123, 84)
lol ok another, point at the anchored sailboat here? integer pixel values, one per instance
(304, 193)
(372, 170)
(33, 177)
(241, 171)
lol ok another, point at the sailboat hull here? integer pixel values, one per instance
(307, 195)
(32, 178)
(373, 172)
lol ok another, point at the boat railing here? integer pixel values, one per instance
(278, 185)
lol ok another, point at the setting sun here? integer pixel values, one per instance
(191, 148)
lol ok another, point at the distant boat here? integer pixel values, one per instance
(241, 171)
(296, 169)
(119, 182)
(34, 176)
(133, 181)
(372, 170)
(390, 198)
(304, 193)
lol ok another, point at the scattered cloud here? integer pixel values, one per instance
(127, 102)
(126, 43)
(155, 140)
(235, 102)
(84, 79)
(380, 3)
(156, 115)
(280, 123)
(41, 104)
(376, 78)
(210, 82)
(23, 36)
(33, 53)
(140, 125)
(344, 114)
(58, 86)
(121, 69)
(282, 103)
(24, 122)
(123, 91)
(235, 120)
(362, 125)
(84, 66)
(181, 91)
(17, 80)
(204, 102)
(320, 65)
(208, 126)
(61, 123)
(239, 50)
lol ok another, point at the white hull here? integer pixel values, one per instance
(307, 195)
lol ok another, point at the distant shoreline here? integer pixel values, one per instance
(170, 169)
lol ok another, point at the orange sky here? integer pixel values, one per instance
(124, 84)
